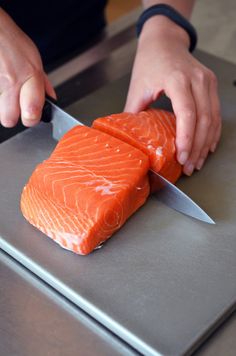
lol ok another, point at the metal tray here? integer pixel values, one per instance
(36, 320)
(164, 281)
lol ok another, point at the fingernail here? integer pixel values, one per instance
(189, 169)
(183, 157)
(32, 112)
(8, 124)
(28, 115)
(213, 147)
(200, 163)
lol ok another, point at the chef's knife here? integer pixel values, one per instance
(165, 191)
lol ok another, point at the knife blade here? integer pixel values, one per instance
(61, 121)
(174, 198)
(164, 190)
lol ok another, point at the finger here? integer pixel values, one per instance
(9, 107)
(206, 149)
(180, 94)
(218, 135)
(32, 96)
(213, 136)
(215, 129)
(215, 102)
(200, 89)
(138, 99)
(49, 88)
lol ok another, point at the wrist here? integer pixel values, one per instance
(163, 30)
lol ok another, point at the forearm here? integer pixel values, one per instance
(185, 7)
(160, 27)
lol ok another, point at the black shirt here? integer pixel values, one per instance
(57, 27)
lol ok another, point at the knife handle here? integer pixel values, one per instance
(46, 112)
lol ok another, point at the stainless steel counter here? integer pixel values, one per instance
(35, 320)
(110, 66)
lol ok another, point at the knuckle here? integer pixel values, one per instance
(213, 78)
(31, 71)
(215, 121)
(11, 80)
(185, 141)
(217, 114)
(204, 152)
(8, 80)
(216, 118)
(218, 129)
(219, 126)
(187, 114)
(206, 120)
(200, 75)
(180, 78)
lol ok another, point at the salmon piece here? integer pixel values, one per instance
(152, 131)
(86, 190)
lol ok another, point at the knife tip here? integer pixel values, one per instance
(209, 220)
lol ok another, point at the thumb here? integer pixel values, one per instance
(31, 100)
(137, 99)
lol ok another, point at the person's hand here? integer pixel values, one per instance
(23, 82)
(164, 64)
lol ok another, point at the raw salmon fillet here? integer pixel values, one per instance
(152, 131)
(86, 190)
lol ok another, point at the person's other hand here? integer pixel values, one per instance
(164, 64)
(23, 82)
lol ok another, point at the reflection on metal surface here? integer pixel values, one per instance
(173, 197)
(116, 35)
(113, 67)
(61, 121)
(59, 327)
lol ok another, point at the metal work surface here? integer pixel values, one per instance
(164, 281)
(35, 320)
(222, 342)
